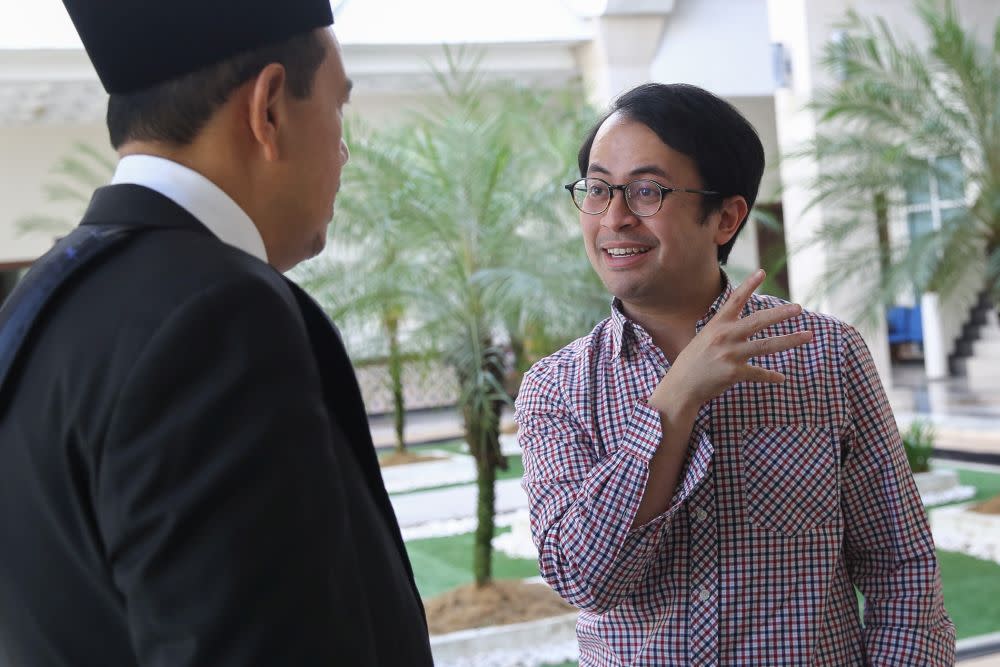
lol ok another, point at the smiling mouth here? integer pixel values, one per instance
(626, 252)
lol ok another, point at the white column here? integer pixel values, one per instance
(621, 53)
(803, 27)
(935, 346)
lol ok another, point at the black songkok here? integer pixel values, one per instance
(135, 44)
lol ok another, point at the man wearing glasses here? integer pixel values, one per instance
(712, 472)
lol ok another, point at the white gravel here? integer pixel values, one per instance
(554, 652)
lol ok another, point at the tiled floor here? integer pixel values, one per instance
(966, 417)
(987, 661)
(952, 397)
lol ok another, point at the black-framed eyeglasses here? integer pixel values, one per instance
(643, 197)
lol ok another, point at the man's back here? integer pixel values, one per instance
(177, 488)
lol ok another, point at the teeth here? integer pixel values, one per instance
(625, 252)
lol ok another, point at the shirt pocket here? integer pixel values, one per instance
(790, 477)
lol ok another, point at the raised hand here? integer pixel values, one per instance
(718, 356)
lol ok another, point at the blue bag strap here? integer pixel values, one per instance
(23, 308)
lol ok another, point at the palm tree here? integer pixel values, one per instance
(900, 115)
(476, 240)
(74, 178)
(370, 273)
(493, 226)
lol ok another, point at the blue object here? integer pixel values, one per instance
(904, 325)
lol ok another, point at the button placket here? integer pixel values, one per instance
(703, 572)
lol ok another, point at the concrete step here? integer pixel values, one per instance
(990, 330)
(981, 371)
(987, 348)
(989, 334)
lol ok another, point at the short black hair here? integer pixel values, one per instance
(176, 110)
(724, 146)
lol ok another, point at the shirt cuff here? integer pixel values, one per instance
(644, 432)
(697, 468)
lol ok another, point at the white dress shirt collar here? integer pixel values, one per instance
(197, 195)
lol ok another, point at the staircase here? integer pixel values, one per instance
(976, 353)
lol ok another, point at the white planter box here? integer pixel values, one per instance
(956, 528)
(935, 480)
(452, 469)
(941, 486)
(547, 640)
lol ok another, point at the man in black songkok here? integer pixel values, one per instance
(187, 477)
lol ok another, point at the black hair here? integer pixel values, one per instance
(724, 146)
(176, 110)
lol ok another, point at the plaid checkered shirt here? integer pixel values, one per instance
(791, 495)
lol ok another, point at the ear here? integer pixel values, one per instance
(733, 210)
(268, 109)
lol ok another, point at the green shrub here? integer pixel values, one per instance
(918, 441)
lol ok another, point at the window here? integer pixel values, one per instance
(935, 196)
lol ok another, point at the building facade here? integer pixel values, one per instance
(762, 55)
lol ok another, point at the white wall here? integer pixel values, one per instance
(803, 27)
(760, 112)
(30, 152)
(721, 45)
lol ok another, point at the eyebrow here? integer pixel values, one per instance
(644, 169)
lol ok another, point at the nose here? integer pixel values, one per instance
(619, 215)
(345, 152)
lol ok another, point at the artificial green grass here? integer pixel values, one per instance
(515, 469)
(443, 563)
(971, 590)
(987, 483)
(971, 586)
(453, 446)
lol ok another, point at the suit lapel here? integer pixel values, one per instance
(345, 403)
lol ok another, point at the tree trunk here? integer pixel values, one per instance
(882, 225)
(482, 560)
(512, 378)
(396, 380)
(482, 433)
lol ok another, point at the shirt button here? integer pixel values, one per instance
(704, 594)
(700, 514)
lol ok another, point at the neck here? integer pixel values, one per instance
(672, 325)
(212, 159)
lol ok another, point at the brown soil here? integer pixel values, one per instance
(991, 506)
(397, 458)
(499, 603)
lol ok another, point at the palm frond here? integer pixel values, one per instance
(898, 106)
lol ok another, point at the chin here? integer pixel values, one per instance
(318, 243)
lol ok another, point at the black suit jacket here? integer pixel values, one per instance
(187, 477)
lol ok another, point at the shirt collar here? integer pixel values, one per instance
(622, 327)
(197, 195)
(619, 324)
(727, 291)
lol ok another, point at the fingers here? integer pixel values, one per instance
(762, 319)
(773, 344)
(741, 294)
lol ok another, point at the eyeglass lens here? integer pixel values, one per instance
(592, 195)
